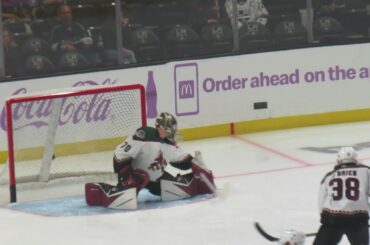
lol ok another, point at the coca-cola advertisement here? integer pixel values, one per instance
(80, 118)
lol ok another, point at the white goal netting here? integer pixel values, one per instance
(66, 135)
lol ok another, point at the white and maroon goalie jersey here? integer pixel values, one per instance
(149, 152)
(344, 194)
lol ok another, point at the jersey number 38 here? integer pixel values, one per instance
(349, 188)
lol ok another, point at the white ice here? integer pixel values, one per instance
(265, 177)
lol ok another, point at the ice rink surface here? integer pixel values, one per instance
(270, 177)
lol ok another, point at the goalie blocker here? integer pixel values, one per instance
(200, 181)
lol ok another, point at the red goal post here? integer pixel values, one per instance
(64, 123)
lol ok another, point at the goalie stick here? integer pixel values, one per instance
(272, 238)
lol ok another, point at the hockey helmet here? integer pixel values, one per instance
(292, 237)
(346, 155)
(167, 122)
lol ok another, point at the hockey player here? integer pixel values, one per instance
(140, 162)
(292, 237)
(343, 201)
(248, 11)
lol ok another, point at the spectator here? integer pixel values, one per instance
(46, 10)
(24, 13)
(109, 38)
(327, 6)
(203, 13)
(70, 36)
(17, 14)
(248, 11)
(15, 3)
(11, 54)
(330, 6)
(9, 17)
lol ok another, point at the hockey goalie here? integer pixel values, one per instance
(140, 162)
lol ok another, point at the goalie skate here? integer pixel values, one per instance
(101, 194)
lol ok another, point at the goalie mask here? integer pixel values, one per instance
(292, 237)
(167, 122)
(346, 155)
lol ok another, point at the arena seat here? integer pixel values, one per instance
(35, 45)
(72, 61)
(289, 34)
(38, 64)
(146, 45)
(216, 38)
(254, 36)
(181, 42)
(328, 30)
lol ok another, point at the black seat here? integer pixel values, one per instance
(354, 18)
(37, 65)
(17, 27)
(20, 31)
(146, 45)
(328, 30)
(88, 22)
(35, 45)
(72, 61)
(353, 4)
(217, 38)
(290, 34)
(181, 42)
(254, 36)
(42, 28)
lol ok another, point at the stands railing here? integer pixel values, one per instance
(40, 39)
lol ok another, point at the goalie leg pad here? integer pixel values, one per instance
(101, 194)
(204, 177)
(173, 190)
(186, 186)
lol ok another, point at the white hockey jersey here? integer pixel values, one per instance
(344, 193)
(149, 152)
(248, 11)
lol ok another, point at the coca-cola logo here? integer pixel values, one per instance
(107, 81)
(87, 109)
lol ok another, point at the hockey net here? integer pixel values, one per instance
(66, 135)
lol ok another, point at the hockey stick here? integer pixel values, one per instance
(264, 233)
(272, 238)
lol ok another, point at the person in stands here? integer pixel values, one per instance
(11, 54)
(71, 36)
(248, 11)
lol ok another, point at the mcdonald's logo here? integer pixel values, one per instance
(186, 89)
